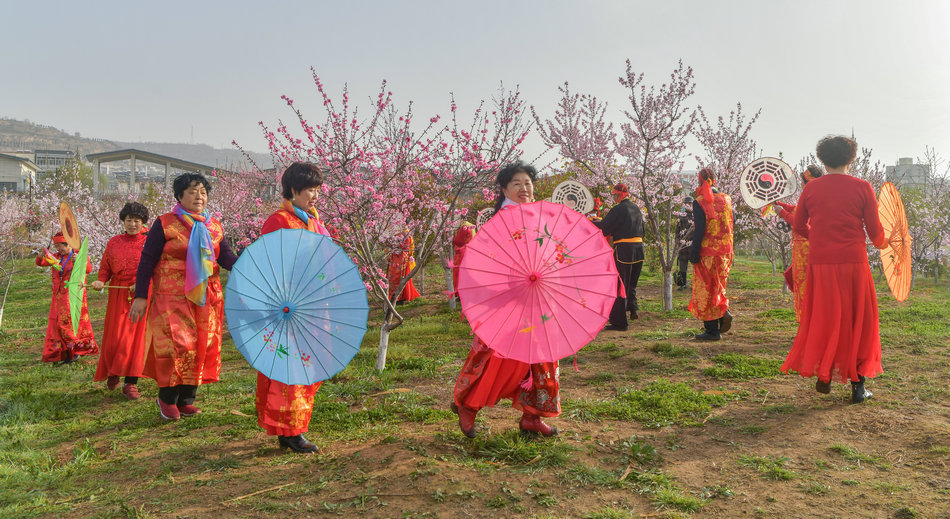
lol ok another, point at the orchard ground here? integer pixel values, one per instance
(654, 425)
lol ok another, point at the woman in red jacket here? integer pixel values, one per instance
(284, 410)
(838, 338)
(123, 342)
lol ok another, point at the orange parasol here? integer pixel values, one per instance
(895, 257)
(69, 225)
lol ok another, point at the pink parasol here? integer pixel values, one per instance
(537, 282)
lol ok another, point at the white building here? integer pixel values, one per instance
(17, 173)
(906, 173)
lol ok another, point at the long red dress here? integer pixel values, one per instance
(838, 338)
(59, 330)
(285, 409)
(711, 273)
(799, 267)
(400, 263)
(487, 378)
(123, 342)
(182, 339)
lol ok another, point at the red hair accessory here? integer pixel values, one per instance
(59, 238)
(704, 195)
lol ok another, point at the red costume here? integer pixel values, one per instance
(486, 378)
(711, 272)
(463, 235)
(123, 342)
(283, 409)
(60, 339)
(183, 340)
(838, 338)
(400, 263)
(798, 270)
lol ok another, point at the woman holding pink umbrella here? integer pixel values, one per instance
(486, 377)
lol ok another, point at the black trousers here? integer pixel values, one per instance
(629, 260)
(683, 261)
(180, 395)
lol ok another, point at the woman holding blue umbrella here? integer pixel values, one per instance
(283, 410)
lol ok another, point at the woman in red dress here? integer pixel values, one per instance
(838, 338)
(123, 342)
(464, 234)
(61, 343)
(180, 260)
(284, 410)
(401, 263)
(486, 378)
(797, 272)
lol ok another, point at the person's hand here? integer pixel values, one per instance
(97, 285)
(137, 311)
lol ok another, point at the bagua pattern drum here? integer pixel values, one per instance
(766, 180)
(483, 216)
(574, 195)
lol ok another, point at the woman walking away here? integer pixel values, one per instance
(838, 338)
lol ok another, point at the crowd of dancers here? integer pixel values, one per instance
(164, 318)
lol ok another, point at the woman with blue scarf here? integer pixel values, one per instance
(181, 260)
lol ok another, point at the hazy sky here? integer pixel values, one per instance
(154, 70)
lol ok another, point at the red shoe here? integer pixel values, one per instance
(531, 425)
(467, 421)
(167, 411)
(131, 391)
(188, 410)
(112, 382)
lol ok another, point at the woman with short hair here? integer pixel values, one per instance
(838, 337)
(181, 259)
(123, 342)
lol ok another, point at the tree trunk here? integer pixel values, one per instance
(936, 270)
(667, 288)
(451, 287)
(391, 321)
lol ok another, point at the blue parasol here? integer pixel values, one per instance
(296, 306)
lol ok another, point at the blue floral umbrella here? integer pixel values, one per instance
(296, 306)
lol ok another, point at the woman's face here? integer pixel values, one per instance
(520, 189)
(195, 198)
(306, 199)
(62, 248)
(133, 224)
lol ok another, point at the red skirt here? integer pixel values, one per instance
(710, 278)
(59, 330)
(838, 338)
(282, 409)
(487, 378)
(123, 342)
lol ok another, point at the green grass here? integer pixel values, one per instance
(769, 467)
(851, 454)
(742, 367)
(667, 349)
(658, 404)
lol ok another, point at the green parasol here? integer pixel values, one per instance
(77, 285)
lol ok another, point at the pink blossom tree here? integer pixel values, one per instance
(386, 178)
(647, 154)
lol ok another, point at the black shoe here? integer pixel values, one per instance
(633, 315)
(297, 444)
(70, 358)
(858, 392)
(614, 328)
(823, 387)
(725, 322)
(708, 336)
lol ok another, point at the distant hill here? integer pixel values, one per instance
(18, 135)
